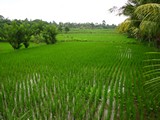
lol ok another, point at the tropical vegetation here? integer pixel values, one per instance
(18, 32)
(143, 20)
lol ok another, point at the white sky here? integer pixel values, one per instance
(62, 10)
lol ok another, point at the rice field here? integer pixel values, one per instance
(81, 77)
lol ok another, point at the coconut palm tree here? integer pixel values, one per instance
(149, 15)
(132, 21)
(144, 20)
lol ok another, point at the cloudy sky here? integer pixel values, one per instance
(62, 10)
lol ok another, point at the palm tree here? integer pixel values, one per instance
(144, 20)
(131, 22)
(149, 15)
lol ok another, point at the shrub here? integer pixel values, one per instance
(49, 34)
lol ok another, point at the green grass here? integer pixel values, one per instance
(95, 79)
(5, 47)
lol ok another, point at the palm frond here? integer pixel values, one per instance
(151, 71)
(148, 12)
(149, 28)
(125, 26)
(152, 75)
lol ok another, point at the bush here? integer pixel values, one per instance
(49, 34)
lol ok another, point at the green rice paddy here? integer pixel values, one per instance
(86, 75)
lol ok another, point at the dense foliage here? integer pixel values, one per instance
(49, 34)
(88, 25)
(18, 32)
(143, 20)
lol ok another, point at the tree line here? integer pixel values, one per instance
(143, 20)
(88, 25)
(21, 32)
